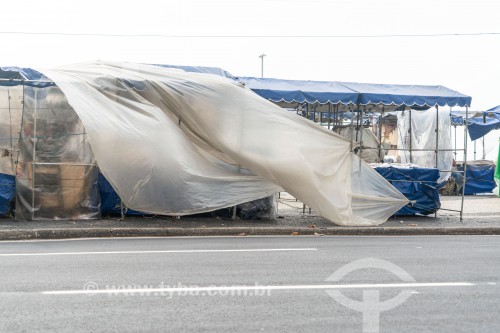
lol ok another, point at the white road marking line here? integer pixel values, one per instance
(150, 252)
(240, 288)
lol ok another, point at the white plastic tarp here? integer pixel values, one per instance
(424, 136)
(370, 152)
(179, 143)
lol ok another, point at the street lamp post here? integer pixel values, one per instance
(262, 64)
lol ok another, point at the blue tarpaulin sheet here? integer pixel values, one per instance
(417, 184)
(479, 177)
(110, 201)
(7, 192)
(479, 127)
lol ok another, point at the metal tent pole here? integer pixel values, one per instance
(437, 134)
(122, 210)
(352, 128)
(475, 149)
(410, 134)
(357, 122)
(466, 130)
(455, 153)
(361, 128)
(329, 114)
(335, 120)
(339, 121)
(437, 142)
(484, 121)
(336, 112)
(380, 135)
(11, 134)
(484, 153)
(35, 140)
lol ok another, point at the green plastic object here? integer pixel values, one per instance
(497, 170)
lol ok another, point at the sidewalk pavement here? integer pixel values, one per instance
(481, 217)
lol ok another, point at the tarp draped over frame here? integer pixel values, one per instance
(172, 142)
(426, 129)
(418, 184)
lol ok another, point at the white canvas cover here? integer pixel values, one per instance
(172, 142)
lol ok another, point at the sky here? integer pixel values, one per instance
(373, 41)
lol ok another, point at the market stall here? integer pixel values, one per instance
(177, 143)
(480, 172)
(349, 103)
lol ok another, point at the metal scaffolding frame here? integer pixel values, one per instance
(32, 173)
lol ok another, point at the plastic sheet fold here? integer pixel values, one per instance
(172, 142)
(370, 152)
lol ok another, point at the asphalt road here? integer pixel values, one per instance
(245, 284)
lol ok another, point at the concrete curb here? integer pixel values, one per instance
(66, 233)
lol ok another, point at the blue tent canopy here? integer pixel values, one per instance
(409, 95)
(335, 92)
(295, 91)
